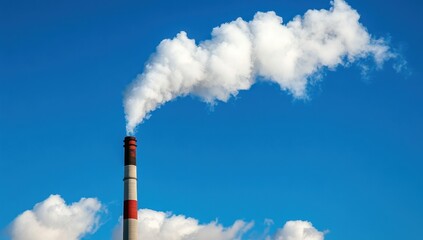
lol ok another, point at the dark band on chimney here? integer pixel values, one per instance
(130, 150)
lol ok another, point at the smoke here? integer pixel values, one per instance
(52, 219)
(154, 225)
(287, 54)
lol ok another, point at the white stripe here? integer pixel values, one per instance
(130, 171)
(130, 229)
(130, 189)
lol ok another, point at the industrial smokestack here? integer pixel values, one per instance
(130, 214)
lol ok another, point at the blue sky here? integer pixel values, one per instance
(349, 159)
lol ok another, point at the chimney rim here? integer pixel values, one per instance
(129, 138)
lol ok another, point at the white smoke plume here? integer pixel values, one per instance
(287, 54)
(155, 225)
(52, 219)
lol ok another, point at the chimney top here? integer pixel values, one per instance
(129, 138)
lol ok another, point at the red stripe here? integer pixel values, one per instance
(130, 209)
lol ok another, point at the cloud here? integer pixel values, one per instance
(298, 230)
(52, 219)
(288, 54)
(156, 225)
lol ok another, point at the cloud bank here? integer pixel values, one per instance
(155, 225)
(52, 219)
(239, 51)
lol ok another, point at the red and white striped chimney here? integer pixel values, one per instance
(130, 214)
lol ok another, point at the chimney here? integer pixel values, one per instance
(130, 209)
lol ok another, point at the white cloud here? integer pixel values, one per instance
(288, 54)
(154, 225)
(52, 219)
(298, 230)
